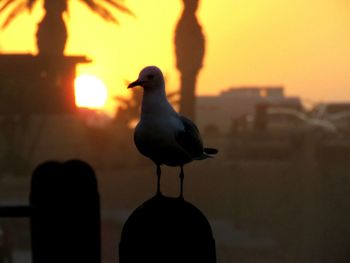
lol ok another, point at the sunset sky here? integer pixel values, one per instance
(301, 44)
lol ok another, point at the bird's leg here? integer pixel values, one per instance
(159, 172)
(182, 175)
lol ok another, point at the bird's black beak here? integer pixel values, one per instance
(135, 83)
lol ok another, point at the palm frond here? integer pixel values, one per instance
(30, 4)
(15, 11)
(100, 10)
(120, 7)
(124, 101)
(6, 4)
(95, 6)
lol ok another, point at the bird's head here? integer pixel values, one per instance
(150, 77)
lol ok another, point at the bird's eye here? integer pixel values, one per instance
(150, 76)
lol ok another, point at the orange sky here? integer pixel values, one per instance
(301, 44)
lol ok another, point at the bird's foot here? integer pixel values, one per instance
(158, 194)
(181, 197)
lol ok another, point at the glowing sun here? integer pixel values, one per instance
(90, 92)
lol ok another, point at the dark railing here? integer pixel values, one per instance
(64, 213)
(15, 211)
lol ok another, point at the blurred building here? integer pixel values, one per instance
(217, 113)
(37, 84)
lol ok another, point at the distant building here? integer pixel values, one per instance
(37, 84)
(217, 113)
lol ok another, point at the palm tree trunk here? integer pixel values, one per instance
(187, 93)
(52, 32)
(51, 36)
(189, 49)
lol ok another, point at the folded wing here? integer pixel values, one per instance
(189, 138)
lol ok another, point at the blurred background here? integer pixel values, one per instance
(265, 81)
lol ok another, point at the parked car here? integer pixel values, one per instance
(327, 110)
(292, 123)
(341, 120)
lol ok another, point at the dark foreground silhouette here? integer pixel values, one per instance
(165, 229)
(65, 222)
(65, 213)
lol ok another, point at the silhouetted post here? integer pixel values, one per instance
(189, 49)
(166, 230)
(65, 221)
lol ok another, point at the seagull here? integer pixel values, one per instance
(162, 134)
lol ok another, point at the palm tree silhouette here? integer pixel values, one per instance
(189, 50)
(51, 35)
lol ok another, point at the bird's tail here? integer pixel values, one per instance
(211, 151)
(208, 153)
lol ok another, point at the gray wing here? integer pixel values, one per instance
(189, 138)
